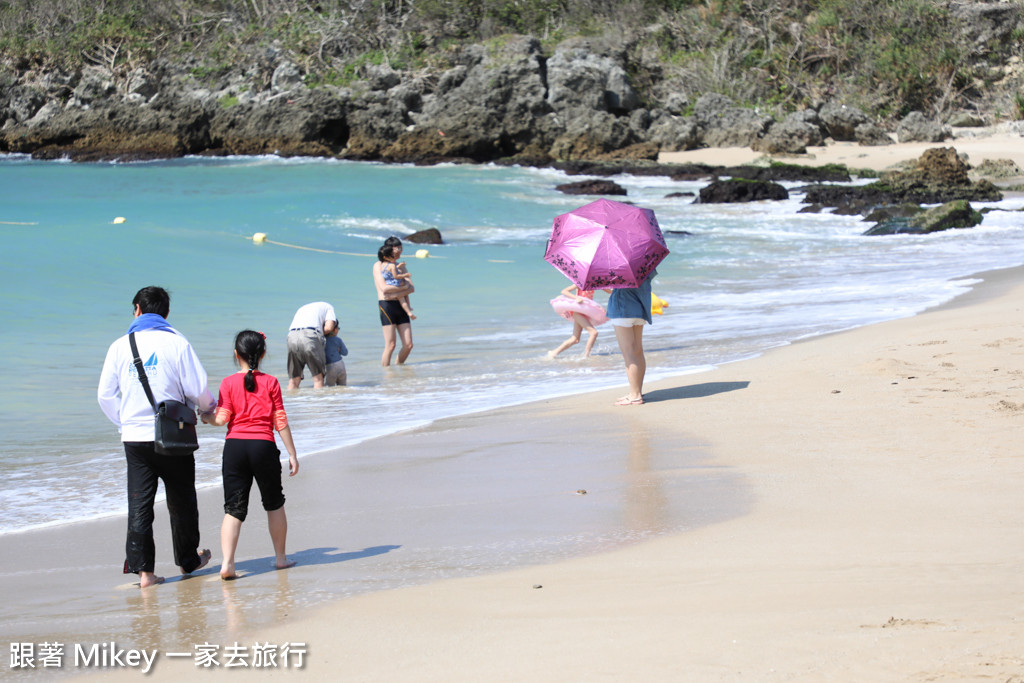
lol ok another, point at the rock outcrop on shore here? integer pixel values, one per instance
(938, 176)
(503, 101)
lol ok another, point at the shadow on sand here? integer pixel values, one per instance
(311, 556)
(693, 391)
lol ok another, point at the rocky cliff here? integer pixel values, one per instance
(505, 100)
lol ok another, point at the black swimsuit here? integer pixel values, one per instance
(392, 313)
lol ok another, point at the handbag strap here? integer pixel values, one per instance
(142, 371)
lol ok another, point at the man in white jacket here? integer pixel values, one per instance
(174, 372)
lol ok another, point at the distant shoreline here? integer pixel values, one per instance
(978, 144)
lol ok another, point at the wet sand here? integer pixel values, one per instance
(471, 495)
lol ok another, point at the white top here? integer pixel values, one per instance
(313, 315)
(173, 370)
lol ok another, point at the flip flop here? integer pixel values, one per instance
(627, 401)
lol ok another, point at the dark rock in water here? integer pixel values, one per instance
(885, 213)
(679, 233)
(592, 187)
(694, 172)
(939, 176)
(939, 165)
(674, 195)
(830, 173)
(955, 214)
(863, 199)
(618, 167)
(811, 208)
(731, 191)
(855, 206)
(428, 236)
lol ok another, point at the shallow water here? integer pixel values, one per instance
(747, 278)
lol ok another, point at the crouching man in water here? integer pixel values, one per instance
(174, 372)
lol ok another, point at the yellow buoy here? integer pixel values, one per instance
(422, 253)
(119, 219)
(259, 237)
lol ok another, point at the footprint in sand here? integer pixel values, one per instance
(903, 623)
(999, 342)
(1009, 407)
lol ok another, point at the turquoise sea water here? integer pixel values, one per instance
(748, 277)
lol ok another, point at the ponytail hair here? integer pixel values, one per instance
(250, 346)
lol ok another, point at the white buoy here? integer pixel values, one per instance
(422, 253)
(259, 237)
(119, 219)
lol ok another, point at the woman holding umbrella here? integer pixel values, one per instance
(629, 309)
(609, 244)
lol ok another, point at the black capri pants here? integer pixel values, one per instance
(245, 460)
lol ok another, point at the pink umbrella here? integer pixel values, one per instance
(606, 244)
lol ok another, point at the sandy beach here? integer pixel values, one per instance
(845, 508)
(977, 144)
(880, 541)
(883, 542)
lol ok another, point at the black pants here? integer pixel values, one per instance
(145, 468)
(245, 460)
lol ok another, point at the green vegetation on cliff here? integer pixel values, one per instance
(888, 57)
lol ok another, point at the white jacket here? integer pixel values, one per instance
(174, 372)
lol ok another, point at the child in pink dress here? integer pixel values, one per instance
(580, 321)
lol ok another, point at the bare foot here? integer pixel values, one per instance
(227, 571)
(147, 579)
(204, 559)
(284, 565)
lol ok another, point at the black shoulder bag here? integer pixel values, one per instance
(174, 422)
